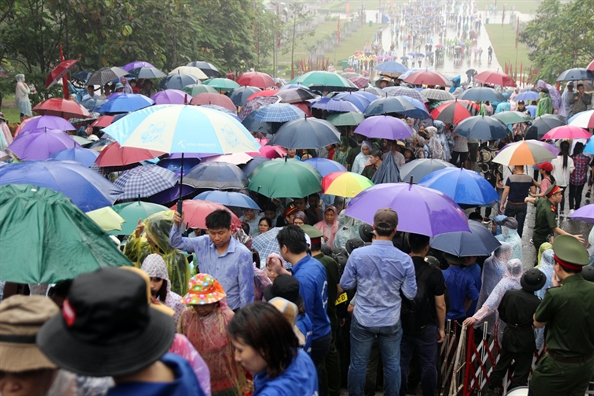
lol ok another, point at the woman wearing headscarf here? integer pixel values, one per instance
(21, 97)
(509, 234)
(545, 104)
(328, 226)
(436, 150)
(342, 153)
(362, 158)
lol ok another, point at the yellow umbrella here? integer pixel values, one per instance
(107, 218)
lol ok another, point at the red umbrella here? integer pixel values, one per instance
(196, 210)
(426, 77)
(206, 98)
(451, 111)
(61, 108)
(266, 92)
(114, 155)
(103, 121)
(590, 66)
(304, 107)
(256, 79)
(360, 81)
(496, 78)
(59, 71)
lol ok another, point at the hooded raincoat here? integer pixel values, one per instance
(361, 159)
(511, 236)
(329, 230)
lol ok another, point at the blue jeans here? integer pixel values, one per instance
(389, 345)
(424, 344)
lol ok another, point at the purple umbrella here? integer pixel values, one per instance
(171, 96)
(420, 209)
(585, 213)
(384, 127)
(49, 122)
(40, 144)
(135, 64)
(171, 194)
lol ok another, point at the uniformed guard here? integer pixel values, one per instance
(567, 310)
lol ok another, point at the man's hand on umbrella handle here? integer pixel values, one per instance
(139, 229)
(177, 218)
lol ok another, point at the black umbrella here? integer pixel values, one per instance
(392, 104)
(82, 75)
(239, 96)
(208, 68)
(482, 128)
(253, 164)
(482, 94)
(252, 124)
(105, 75)
(542, 125)
(178, 81)
(305, 133)
(147, 72)
(478, 242)
(295, 95)
(579, 73)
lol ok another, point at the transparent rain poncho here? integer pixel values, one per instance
(348, 228)
(493, 270)
(183, 347)
(511, 236)
(545, 265)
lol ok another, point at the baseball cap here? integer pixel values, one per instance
(546, 166)
(385, 219)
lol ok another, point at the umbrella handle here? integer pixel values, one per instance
(181, 179)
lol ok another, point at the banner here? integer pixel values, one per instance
(338, 31)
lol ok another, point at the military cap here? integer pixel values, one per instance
(552, 190)
(570, 253)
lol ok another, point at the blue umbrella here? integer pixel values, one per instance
(482, 128)
(239, 96)
(462, 185)
(305, 133)
(178, 81)
(175, 164)
(340, 106)
(279, 112)
(126, 103)
(478, 242)
(216, 175)
(325, 166)
(528, 96)
(371, 93)
(391, 67)
(226, 198)
(253, 164)
(84, 156)
(482, 94)
(417, 103)
(86, 189)
(144, 181)
(356, 98)
(395, 104)
(419, 168)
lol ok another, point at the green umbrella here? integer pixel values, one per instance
(323, 79)
(134, 211)
(512, 117)
(345, 119)
(45, 238)
(195, 89)
(223, 84)
(282, 178)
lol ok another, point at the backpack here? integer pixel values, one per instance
(415, 314)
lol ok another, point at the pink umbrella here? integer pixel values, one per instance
(196, 210)
(235, 159)
(304, 107)
(270, 152)
(567, 132)
(590, 66)
(213, 99)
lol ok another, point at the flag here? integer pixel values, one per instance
(502, 18)
(338, 31)
(517, 31)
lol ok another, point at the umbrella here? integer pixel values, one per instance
(391, 67)
(419, 168)
(172, 194)
(325, 166)
(266, 243)
(207, 68)
(542, 125)
(463, 186)
(107, 218)
(437, 94)
(387, 172)
(222, 84)
(256, 79)
(496, 78)
(418, 104)
(482, 128)
(195, 89)
(216, 175)
(345, 184)
(58, 72)
(584, 119)
(284, 178)
(526, 152)
(47, 122)
(126, 103)
(272, 152)
(527, 96)
(222, 109)
(359, 81)
(357, 98)
(478, 242)
(567, 132)
(115, 155)
(61, 108)
(84, 156)
(590, 66)
(295, 95)
(80, 140)
(189, 71)
(239, 96)
(82, 75)
(385, 127)
(340, 106)
(103, 121)
(213, 99)
(482, 94)
(452, 112)
(248, 168)
(279, 112)
(171, 96)
(427, 77)
(195, 213)
(345, 119)
(265, 92)
(512, 117)
(579, 73)
(305, 133)
(391, 105)
(49, 228)
(324, 81)
(585, 213)
(252, 124)
(175, 165)
(133, 211)
(374, 91)
(235, 158)
(135, 65)
(87, 189)
(144, 181)
(105, 75)
(147, 72)
(403, 91)
(226, 198)
(435, 213)
(178, 81)
(40, 144)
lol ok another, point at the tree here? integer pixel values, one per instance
(561, 37)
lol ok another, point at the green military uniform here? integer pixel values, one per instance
(368, 171)
(545, 221)
(568, 311)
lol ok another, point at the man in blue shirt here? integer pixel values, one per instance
(221, 256)
(379, 272)
(313, 287)
(461, 288)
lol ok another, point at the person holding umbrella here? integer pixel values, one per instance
(580, 100)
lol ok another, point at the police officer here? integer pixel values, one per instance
(567, 310)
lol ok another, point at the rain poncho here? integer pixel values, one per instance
(348, 228)
(509, 235)
(388, 171)
(5, 135)
(545, 105)
(436, 150)
(208, 334)
(340, 156)
(443, 139)
(329, 230)
(157, 228)
(493, 270)
(261, 281)
(556, 99)
(21, 96)
(361, 159)
(543, 247)
(183, 347)
(155, 267)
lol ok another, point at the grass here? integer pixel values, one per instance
(11, 112)
(503, 39)
(523, 6)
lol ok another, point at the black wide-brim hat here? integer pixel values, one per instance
(533, 280)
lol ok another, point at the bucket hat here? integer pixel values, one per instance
(533, 280)
(203, 289)
(290, 312)
(284, 286)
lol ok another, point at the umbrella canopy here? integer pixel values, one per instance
(107, 218)
(59, 71)
(419, 168)
(526, 152)
(239, 96)
(434, 212)
(392, 105)
(283, 178)
(340, 106)
(175, 164)
(357, 98)
(135, 65)
(81, 140)
(195, 89)
(590, 66)
(144, 181)
(172, 129)
(391, 68)
(567, 132)
(462, 185)
(40, 144)
(345, 119)
(105, 75)
(248, 168)
(256, 79)
(305, 133)
(478, 242)
(87, 189)
(482, 128)
(171, 96)
(512, 117)
(126, 103)
(527, 96)
(84, 156)
(482, 94)
(585, 213)
(252, 124)
(61, 108)
(264, 93)
(452, 112)
(359, 81)
(190, 71)
(103, 121)
(226, 198)
(384, 127)
(257, 103)
(235, 158)
(115, 155)
(196, 211)
(578, 73)
(207, 68)
(133, 211)
(266, 243)
(272, 152)
(437, 94)
(345, 184)
(216, 175)
(295, 95)
(542, 125)
(427, 77)
(49, 228)
(325, 166)
(171, 194)
(213, 99)
(496, 78)
(324, 81)
(222, 84)
(178, 81)
(403, 91)
(279, 112)
(147, 72)
(584, 119)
